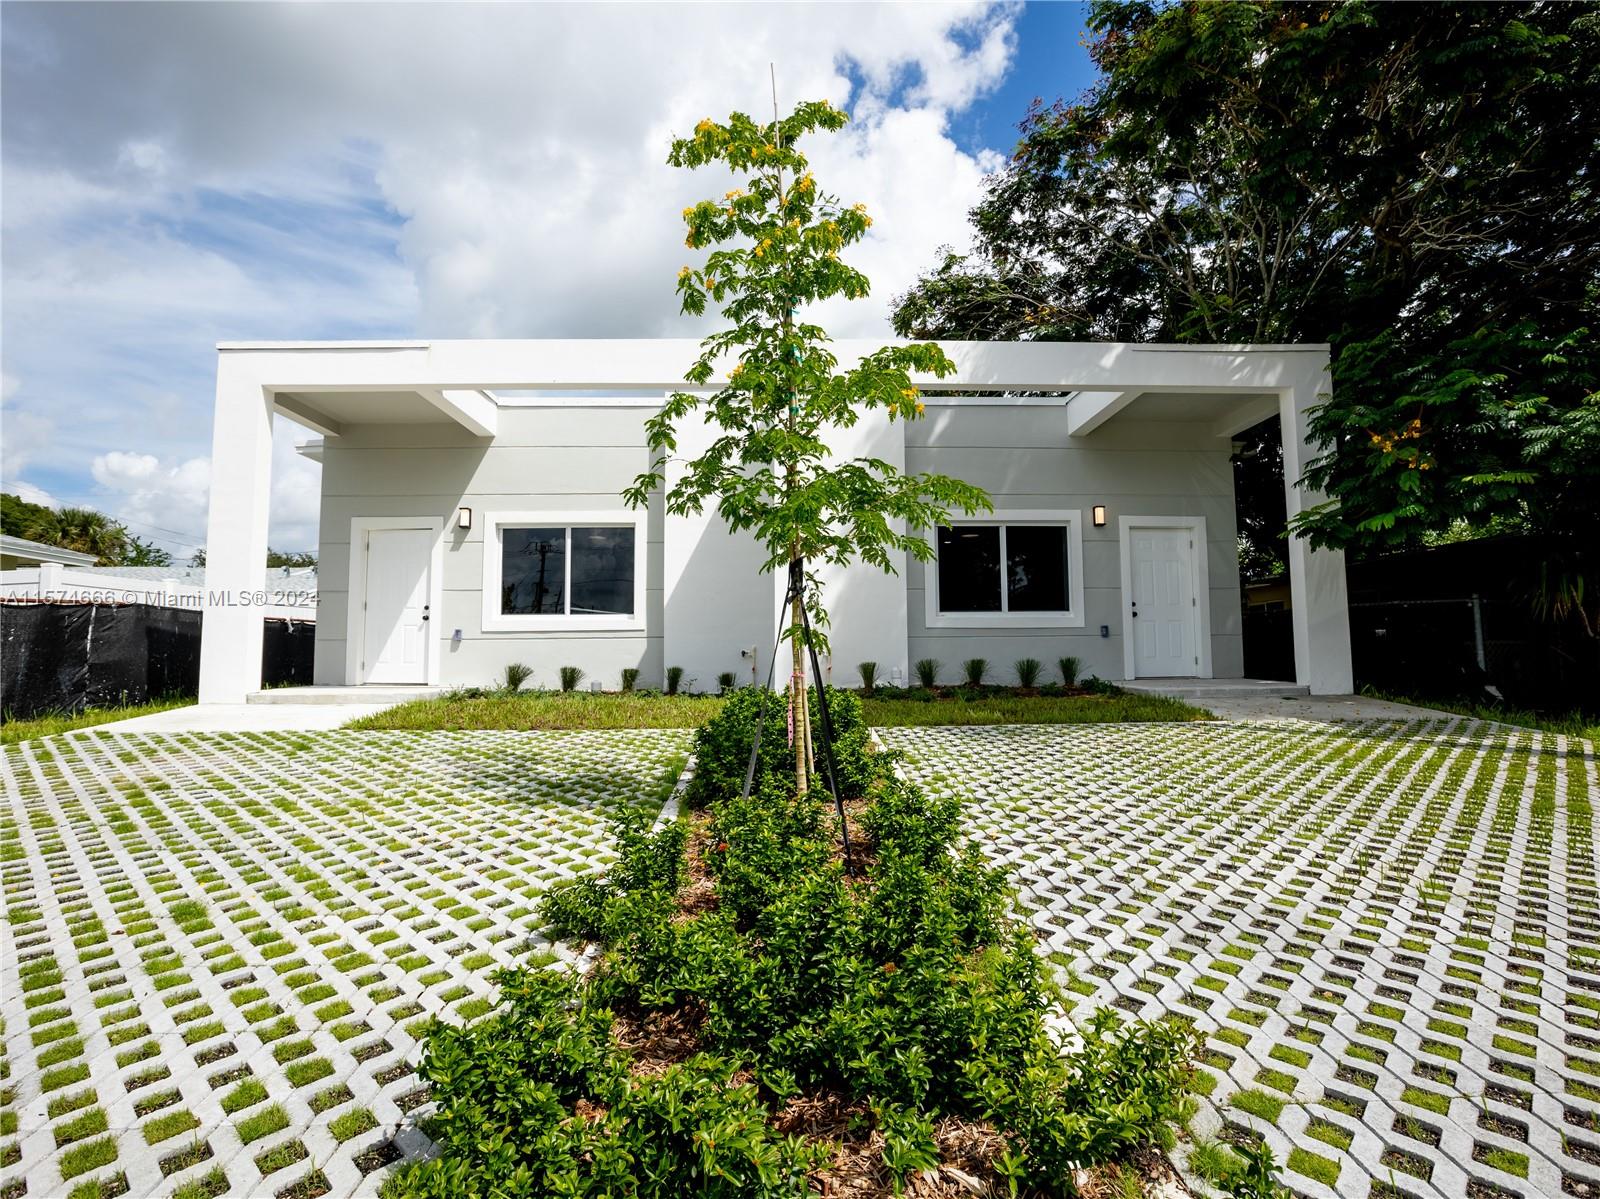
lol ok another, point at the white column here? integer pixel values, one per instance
(236, 534)
(1320, 600)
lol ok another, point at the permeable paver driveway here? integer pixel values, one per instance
(219, 949)
(1388, 933)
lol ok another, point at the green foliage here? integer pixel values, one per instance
(775, 245)
(726, 681)
(914, 989)
(650, 863)
(722, 744)
(517, 673)
(973, 670)
(508, 1122)
(928, 672)
(1415, 184)
(674, 679)
(1028, 671)
(1069, 667)
(630, 677)
(571, 676)
(869, 676)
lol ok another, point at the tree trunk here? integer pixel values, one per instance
(797, 700)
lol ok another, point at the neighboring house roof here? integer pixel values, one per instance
(28, 552)
(304, 578)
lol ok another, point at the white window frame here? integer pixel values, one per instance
(496, 621)
(1072, 618)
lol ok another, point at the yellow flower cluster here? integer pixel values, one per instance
(1387, 441)
(805, 183)
(684, 274)
(733, 195)
(705, 126)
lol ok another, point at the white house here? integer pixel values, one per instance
(471, 516)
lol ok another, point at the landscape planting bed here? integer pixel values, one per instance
(1389, 933)
(219, 950)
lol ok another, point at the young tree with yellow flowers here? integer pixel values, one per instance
(771, 387)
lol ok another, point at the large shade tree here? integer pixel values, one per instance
(771, 389)
(1414, 183)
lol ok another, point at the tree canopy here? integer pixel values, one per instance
(81, 529)
(775, 242)
(1414, 183)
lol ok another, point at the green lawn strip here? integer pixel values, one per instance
(618, 710)
(547, 710)
(15, 731)
(1119, 707)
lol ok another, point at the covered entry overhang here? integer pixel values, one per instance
(328, 386)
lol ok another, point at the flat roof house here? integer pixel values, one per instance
(472, 517)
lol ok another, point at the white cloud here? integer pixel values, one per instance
(24, 490)
(177, 175)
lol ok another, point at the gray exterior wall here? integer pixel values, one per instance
(547, 458)
(573, 458)
(1025, 460)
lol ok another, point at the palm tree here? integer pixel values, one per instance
(91, 532)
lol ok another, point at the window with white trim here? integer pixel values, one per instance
(572, 570)
(1008, 571)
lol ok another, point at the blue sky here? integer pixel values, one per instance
(180, 174)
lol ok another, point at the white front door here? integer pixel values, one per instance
(1164, 609)
(396, 645)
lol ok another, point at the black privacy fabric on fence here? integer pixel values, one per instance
(65, 657)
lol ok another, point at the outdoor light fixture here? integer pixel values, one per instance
(1099, 516)
(463, 518)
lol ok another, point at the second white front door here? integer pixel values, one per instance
(1165, 610)
(396, 621)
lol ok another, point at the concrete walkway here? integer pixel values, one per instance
(240, 718)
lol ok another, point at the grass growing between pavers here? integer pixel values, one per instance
(270, 919)
(14, 731)
(1332, 906)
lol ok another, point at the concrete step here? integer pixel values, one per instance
(1217, 688)
(371, 694)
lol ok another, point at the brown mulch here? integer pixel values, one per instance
(657, 1039)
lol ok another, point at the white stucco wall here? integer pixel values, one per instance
(705, 598)
(556, 459)
(1024, 458)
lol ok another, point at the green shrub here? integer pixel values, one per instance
(722, 744)
(1069, 667)
(869, 676)
(516, 675)
(1028, 672)
(973, 669)
(571, 676)
(505, 1089)
(674, 679)
(630, 677)
(913, 988)
(725, 681)
(928, 672)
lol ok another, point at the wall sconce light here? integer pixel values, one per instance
(463, 518)
(1099, 516)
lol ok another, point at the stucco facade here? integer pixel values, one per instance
(438, 451)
